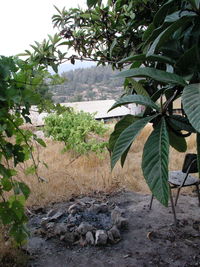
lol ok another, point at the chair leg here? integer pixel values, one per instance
(198, 193)
(177, 195)
(151, 202)
(173, 208)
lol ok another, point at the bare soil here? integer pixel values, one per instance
(151, 240)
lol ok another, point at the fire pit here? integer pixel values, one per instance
(86, 221)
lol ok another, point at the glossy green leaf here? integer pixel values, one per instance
(143, 57)
(124, 155)
(191, 104)
(165, 35)
(148, 31)
(137, 99)
(162, 12)
(177, 142)
(140, 90)
(155, 161)
(186, 62)
(133, 58)
(180, 123)
(119, 128)
(127, 137)
(155, 74)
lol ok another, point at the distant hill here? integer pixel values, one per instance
(94, 83)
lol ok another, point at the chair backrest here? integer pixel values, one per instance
(191, 163)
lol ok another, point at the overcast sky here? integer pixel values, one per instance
(24, 21)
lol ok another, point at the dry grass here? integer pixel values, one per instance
(88, 174)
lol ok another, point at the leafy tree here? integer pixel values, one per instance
(170, 70)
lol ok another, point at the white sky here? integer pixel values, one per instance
(24, 21)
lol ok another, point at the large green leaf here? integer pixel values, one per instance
(165, 35)
(140, 90)
(127, 137)
(138, 99)
(142, 57)
(191, 104)
(180, 123)
(139, 57)
(119, 128)
(162, 12)
(155, 162)
(177, 142)
(186, 63)
(177, 15)
(159, 75)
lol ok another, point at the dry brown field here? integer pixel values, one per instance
(68, 175)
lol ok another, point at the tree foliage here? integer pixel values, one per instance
(170, 66)
(19, 84)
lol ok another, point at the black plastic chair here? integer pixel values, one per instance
(179, 179)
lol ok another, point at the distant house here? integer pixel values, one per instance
(99, 108)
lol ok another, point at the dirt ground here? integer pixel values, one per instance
(151, 240)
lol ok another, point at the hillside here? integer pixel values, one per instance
(94, 83)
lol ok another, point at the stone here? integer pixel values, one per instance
(116, 213)
(74, 208)
(44, 221)
(103, 208)
(110, 237)
(84, 227)
(60, 228)
(115, 232)
(95, 208)
(89, 238)
(121, 223)
(69, 238)
(101, 237)
(50, 225)
(55, 215)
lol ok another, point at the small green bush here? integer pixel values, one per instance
(78, 130)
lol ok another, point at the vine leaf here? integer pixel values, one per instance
(127, 137)
(155, 162)
(191, 104)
